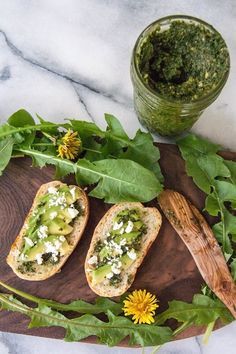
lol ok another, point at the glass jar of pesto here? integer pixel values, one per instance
(179, 66)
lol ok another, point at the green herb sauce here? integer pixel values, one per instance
(184, 62)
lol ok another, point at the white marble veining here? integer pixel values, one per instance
(69, 58)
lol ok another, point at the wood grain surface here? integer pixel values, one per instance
(168, 271)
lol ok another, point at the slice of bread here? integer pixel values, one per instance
(45, 271)
(152, 220)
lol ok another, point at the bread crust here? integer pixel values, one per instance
(46, 271)
(152, 219)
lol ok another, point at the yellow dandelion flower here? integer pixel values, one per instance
(69, 146)
(141, 305)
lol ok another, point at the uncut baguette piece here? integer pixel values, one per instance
(45, 271)
(152, 220)
(202, 244)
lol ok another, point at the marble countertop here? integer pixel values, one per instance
(68, 58)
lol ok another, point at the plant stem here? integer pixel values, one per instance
(207, 334)
(50, 137)
(177, 331)
(42, 144)
(92, 150)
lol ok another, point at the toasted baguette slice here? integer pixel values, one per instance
(45, 271)
(151, 218)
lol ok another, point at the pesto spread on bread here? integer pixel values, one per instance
(45, 238)
(119, 248)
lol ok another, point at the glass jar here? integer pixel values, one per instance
(159, 114)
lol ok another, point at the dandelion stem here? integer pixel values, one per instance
(175, 333)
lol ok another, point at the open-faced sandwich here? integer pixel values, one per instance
(51, 231)
(119, 244)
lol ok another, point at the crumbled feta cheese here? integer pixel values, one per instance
(72, 192)
(93, 260)
(58, 201)
(117, 225)
(108, 234)
(50, 248)
(53, 215)
(122, 231)
(132, 254)
(116, 267)
(57, 244)
(62, 238)
(72, 212)
(52, 190)
(54, 257)
(29, 242)
(109, 275)
(115, 270)
(26, 226)
(42, 231)
(115, 248)
(39, 258)
(129, 227)
(123, 242)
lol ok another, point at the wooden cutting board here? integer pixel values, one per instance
(168, 270)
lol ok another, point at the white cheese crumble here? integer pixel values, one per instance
(114, 248)
(129, 227)
(58, 201)
(42, 231)
(115, 268)
(62, 238)
(50, 248)
(54, 257)
(109, 275)
(57, 244)
(93, 260)
(39, 258)
(72, 212)
(132, 254)
(53, 215)
(117, 225)
(28, 241)
(52, 190)
(123, 242)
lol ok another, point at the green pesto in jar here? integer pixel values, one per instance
(184, 62)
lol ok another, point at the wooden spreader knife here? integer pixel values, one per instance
(197, 235)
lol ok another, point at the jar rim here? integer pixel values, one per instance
(169, 101)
